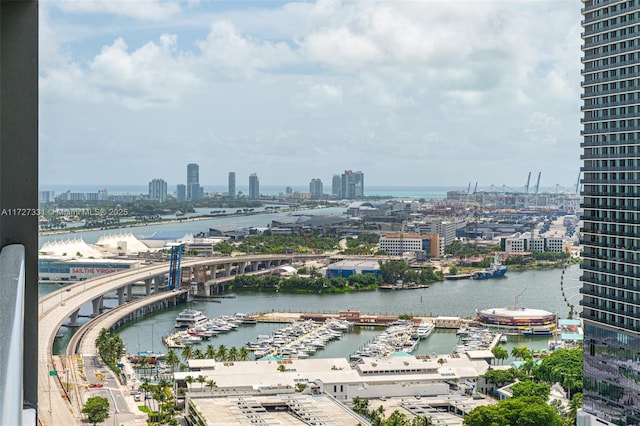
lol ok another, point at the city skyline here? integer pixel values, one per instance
(479, 96)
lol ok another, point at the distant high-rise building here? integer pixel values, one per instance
(610, 235)
(194, 192)
(45, 197)
(358, 181)
(181, 193)
(351, 185)
(335, 186)
(232, 184)
(254, 187)
(315, 188)
(158, 190)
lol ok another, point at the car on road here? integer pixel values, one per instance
(96, 385)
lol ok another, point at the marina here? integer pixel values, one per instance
(455, 298)
(200, 328)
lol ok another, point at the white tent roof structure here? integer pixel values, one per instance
(126, 243)
(70, 249)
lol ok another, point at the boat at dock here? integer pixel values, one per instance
(190, 318)
(298, 340)
(537, 331)
(425, 328)
(399, 285)
(495, 270)
(399, 337)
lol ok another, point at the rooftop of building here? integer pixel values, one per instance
(516, 312)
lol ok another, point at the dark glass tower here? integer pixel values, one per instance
(193, 182)
(232, 185)
(611, 192)
(254, 187)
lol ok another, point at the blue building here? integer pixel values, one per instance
(346, 268)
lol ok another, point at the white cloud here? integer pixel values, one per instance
(404, 83)
(226, 49)
(156, 10)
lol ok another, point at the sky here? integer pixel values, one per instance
(410, 92)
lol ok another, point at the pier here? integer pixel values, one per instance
(358, 318)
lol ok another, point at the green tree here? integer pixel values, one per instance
(525, 411)
(361, 406)
(574, 405)
(189, 380)
(222, 353)
(521, 352)
(172, 358)
(243, 354)
(202, 380)
(393, 270)
(187, 353)
(211, 384)
(210, 352)
(97, 409)
(500, 353)
(110, 348)
(531, 388)
(232, 355)
(500, 377)
(563, 366)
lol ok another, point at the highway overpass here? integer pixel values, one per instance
(55, 308)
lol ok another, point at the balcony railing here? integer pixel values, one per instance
(12, 286)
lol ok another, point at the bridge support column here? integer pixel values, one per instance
(241, 266)
(98, 305)
(203, 289)
(268, 264)
(156, 284)
(147, 287)
(73, 319)
(254, 266)
(121, 299)
(129, 293)
(227, 269)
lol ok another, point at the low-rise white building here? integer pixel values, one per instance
(522, 243)
(396, 244)
(373, 377)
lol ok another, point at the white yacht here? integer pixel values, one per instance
(190, 318)
(425, 329)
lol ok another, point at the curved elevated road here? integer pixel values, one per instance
(58, 306)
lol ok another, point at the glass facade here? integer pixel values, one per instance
(611, 203)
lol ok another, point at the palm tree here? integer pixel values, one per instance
(243, 354)
(211, 384)
(146, 387)
(188, 380)
(232, 355)
(202, 380)
(500, 353)
(159, 397)
(441, 361)
(172, 359)
(361, 406)
(221, 354)
(521, 352)
(574, 405)
(197, 354)
(187, 353)
(569, 383)
(210, 352)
